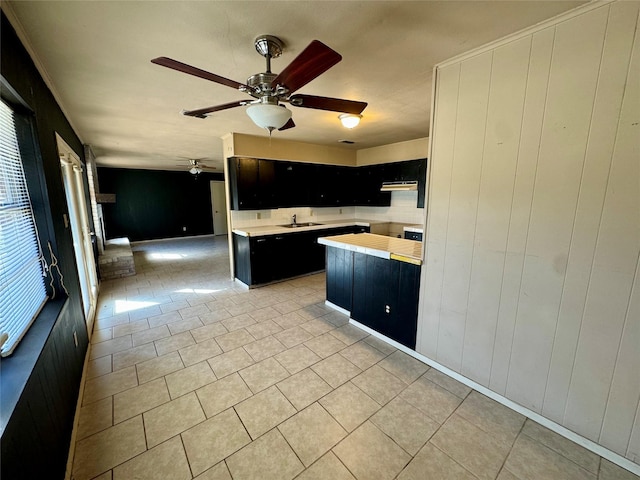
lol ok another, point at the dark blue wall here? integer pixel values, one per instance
(153, 204)
(40, 381)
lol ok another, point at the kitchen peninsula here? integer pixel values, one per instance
(376, 279)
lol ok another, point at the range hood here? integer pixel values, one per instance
(399, 186)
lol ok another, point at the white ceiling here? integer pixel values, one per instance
(96, 55)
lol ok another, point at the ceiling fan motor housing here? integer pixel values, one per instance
(261, 83)
(268, 45)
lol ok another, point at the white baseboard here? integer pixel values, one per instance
(340, 309)
(76, 417)
(536, 417)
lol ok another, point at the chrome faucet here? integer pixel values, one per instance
(293, 219)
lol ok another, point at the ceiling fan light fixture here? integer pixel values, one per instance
(195, 170)
(349, 120)
(271, 117)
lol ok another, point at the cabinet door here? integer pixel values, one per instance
(405, 316)
(422, 182)
(243, 173)
(293, 181)
(242, 258)
(283, 258)
(339, 277)
(267, 185)
(385, 297)
(261, 260)
(373, 288)
(329, 185)
(409, 170)
(378, 175)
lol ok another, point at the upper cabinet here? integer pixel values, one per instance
(253, 185)
(257, 184)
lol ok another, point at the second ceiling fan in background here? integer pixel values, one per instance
(270, 89)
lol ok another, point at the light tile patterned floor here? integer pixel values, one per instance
(191, 376)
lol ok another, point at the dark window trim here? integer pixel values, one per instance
(17, 368)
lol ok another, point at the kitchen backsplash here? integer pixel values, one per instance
(402, 210)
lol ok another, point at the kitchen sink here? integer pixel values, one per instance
(297, 225)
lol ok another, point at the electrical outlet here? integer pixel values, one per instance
(387, 309)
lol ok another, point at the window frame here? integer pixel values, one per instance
(33, 167)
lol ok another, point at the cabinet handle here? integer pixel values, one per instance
(260, 240)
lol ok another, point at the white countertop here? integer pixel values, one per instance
(414, 228)
(378, 246)
(278, 229)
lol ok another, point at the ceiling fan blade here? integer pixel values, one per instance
(183, 67)
(327, 103)
(201, 112)
(314, 60)
(288, 125)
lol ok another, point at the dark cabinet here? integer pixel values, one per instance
(385, 297)
(264, 259)
(409, 170)
(413, 236)
(252, 184)
(243, 179)
(339, 277)
(265, 184)
(267, 187)
(332, 186)
(293, 181)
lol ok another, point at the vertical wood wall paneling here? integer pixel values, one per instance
(624, 395)
(566, 306)
(502, 134)
(633, 450)
(534, 107)
(625, 388)
(612, 277)
(572, 84)
(473, 99)
(602, 135)
(443, 138)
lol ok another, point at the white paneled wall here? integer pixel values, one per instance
(531, 278)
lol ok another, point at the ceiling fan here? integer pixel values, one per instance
(270, 89)
(195, 167)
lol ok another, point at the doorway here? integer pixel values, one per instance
(219, 208)
(78, 221)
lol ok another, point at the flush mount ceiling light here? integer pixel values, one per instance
(350, 120)
(269, 115)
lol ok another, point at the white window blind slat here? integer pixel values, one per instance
(22, 289)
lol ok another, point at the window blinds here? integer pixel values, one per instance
(22, 290)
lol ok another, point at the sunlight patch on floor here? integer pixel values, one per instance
(122, 306)
(201, 291)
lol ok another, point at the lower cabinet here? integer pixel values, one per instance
(385, 297)
(339, 277)
(417, 236)
(259, 260)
